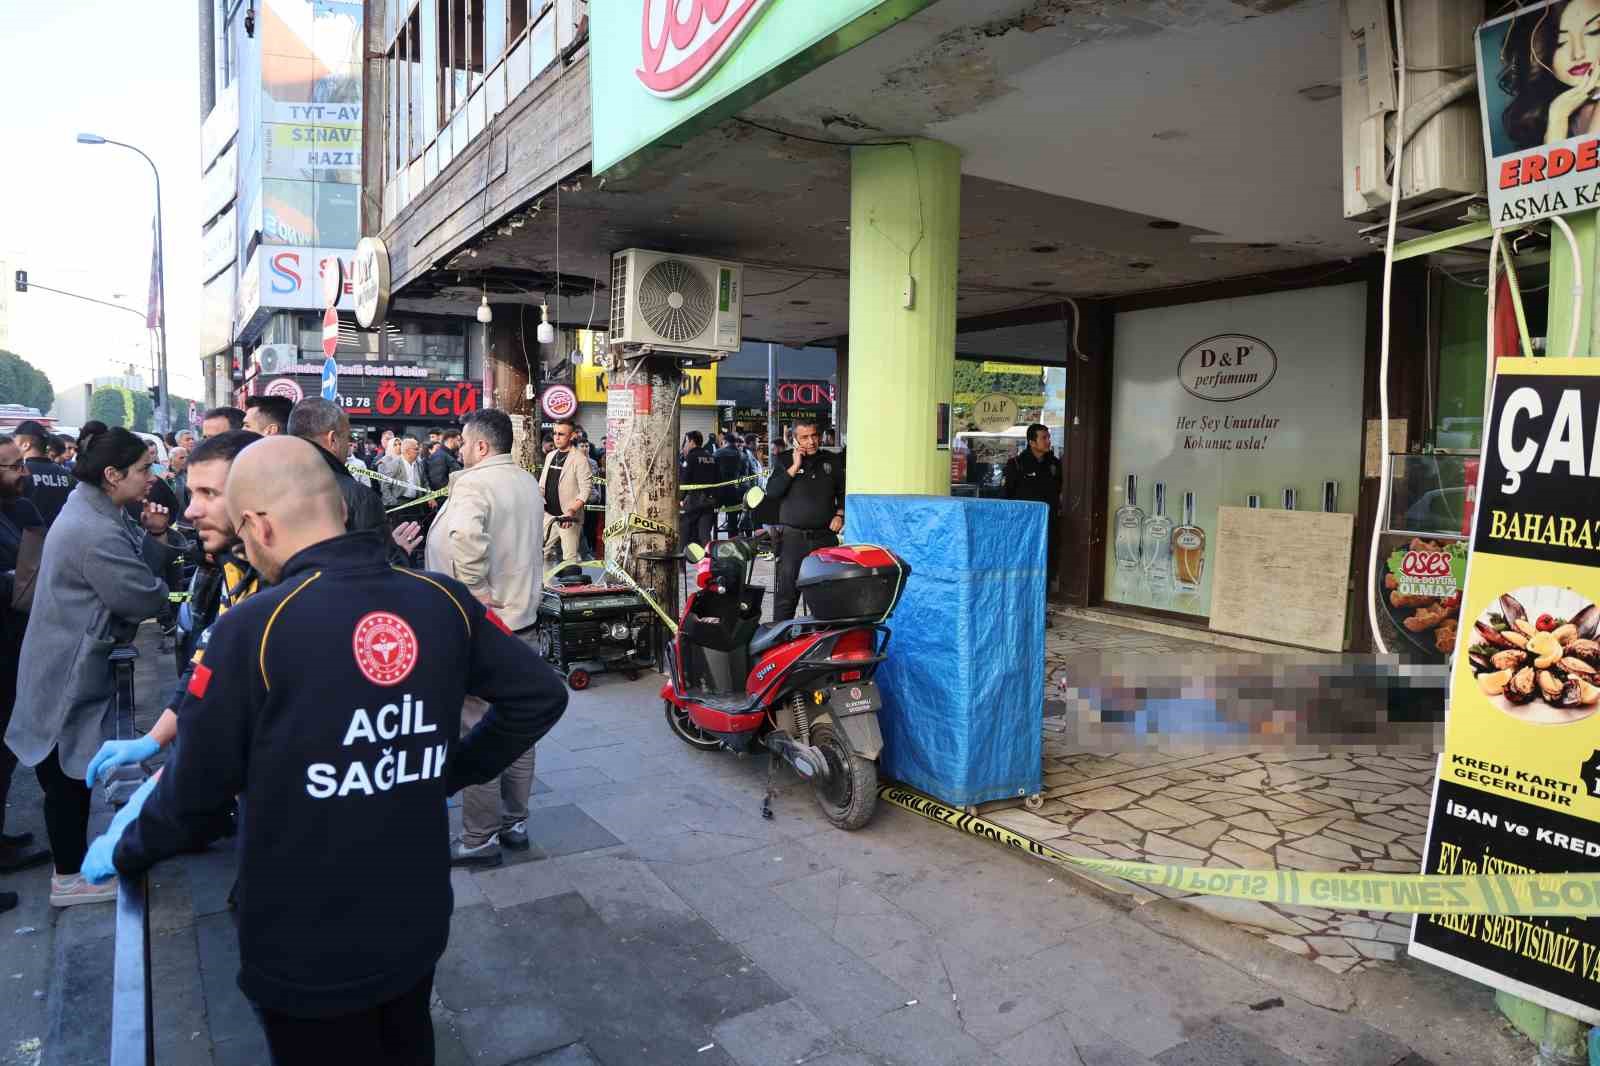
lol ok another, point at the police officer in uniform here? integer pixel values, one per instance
(332, 703)
(49, 483)
(809, 487)
(1035, 474)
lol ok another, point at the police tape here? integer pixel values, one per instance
(1539, 895)
(434, 495)
(634, 523)
(613, 570)
(724, 484)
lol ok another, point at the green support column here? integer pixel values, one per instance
(1559, 320)
(905, 219)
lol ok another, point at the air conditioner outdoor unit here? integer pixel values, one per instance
(277, 358)
(675, 303)
(1444, 159)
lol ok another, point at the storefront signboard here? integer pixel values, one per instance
(699, 388)
(1213, 403)
(1519, 781)
(1535, 99)
(995, 412)
(370, 282)
(664, 70)
(558, 401)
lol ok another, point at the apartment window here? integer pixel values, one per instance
(427, 102)
(517, 19)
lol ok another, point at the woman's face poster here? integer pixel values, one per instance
(1539, 81)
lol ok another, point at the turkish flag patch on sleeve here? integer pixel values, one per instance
(199, 681)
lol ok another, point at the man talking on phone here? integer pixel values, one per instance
(809, 485)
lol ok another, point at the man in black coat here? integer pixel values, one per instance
(808, 485)
(445, 460)
(698, 520)
(1035, 474)
(325, 424)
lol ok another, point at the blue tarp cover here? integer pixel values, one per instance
(963, 687)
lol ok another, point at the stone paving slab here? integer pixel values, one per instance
(1308, 809)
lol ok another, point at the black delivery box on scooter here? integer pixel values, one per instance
(852, 581)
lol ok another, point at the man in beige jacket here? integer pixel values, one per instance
(564, 485)
(486, 537)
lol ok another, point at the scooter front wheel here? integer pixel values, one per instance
(849, 794)
(684, 729)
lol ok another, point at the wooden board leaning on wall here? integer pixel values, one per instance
(1282, 576)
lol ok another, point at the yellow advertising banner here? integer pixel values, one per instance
(699, 387)
(1518, 790)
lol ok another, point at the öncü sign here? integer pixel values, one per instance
(1227, 367)
(683, 41)
(459, 399)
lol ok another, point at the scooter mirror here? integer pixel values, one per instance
(695, 552)
(753, 497)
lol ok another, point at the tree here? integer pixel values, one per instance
(144, 409)
(22, 382)
(111, 405)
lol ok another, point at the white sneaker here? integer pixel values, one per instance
(71, 890)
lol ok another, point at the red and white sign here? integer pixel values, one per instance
(288, 387)
(1425, 564)
(684, 41)
(385, 647)
(558, 401)
(330, 331)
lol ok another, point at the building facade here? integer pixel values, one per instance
(906, 186)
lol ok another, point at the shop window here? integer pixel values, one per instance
(995, 400)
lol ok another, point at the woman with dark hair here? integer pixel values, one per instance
(94, 588)
(1550, 67)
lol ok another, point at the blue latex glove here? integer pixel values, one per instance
(115, 753)
(97, 865)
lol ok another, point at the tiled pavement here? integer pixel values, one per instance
(659, 919)
(1240, 808)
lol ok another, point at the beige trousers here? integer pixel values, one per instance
(499, 804)
(565, 535)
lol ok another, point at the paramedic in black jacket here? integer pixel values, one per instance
(332, 703)
(809, 487)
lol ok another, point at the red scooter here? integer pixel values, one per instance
(800, 689)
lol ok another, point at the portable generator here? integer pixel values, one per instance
(589, 624)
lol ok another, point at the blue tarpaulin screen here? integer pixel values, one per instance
(963, 687)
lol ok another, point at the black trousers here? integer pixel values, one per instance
(697, 527)
(66, 813)
(12, 626)
(396, 1033)
(795, 545)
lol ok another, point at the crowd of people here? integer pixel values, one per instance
(302, 722)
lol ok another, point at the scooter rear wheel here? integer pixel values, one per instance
(684, 729)
(850, 794)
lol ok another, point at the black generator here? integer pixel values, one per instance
(589, 624)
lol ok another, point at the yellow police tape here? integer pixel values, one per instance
(636, 523)
(612, 570)
(724, 484)
(1542, 895)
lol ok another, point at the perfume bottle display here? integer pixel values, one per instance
(1253, 502)
(1330, 496)
(1129, 525)
(1291, 499)
(1188, 550)
(1155, 555)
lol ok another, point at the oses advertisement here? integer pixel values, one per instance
(1519, 781)
(1225, 404)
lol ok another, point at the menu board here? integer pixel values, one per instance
(1282, 575)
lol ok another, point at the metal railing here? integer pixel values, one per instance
(132, 1018)
(132, 1028)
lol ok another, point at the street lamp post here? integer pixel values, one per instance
(162, 421)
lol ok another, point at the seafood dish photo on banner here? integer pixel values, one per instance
(1518, 788)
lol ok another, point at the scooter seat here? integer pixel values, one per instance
(769, 636)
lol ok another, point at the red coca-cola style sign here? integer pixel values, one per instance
(1425, 564)
(684, 41)
(439, 401)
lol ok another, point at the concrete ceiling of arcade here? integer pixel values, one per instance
(1080, 123)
